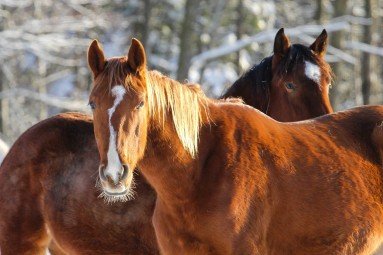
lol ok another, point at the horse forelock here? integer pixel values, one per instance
(185, 104)
(114, 73)
(117, 72)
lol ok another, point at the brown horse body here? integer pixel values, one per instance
(261, 187)
(48, 193)
(231, 180)
(48, 189)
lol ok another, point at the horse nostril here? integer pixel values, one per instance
(125, 171)
(102, 174)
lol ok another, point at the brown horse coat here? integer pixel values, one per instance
(313, 187)
(47, 180)
(231, 180)
(48, 189)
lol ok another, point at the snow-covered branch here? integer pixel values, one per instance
(60, 102)
(353, 20)
(13, 3)
(336, 54)
(265, 36)
(364, 47)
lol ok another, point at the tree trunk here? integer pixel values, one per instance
(186, 39)
(217, 11)
(239, 32)
(141, 26)
(319, 13)
(337, 40)
(146, 24)
(41, 87)
(366, 57)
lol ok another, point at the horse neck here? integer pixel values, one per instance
(168, 157)
(167, 164)
(254, 86)
(169, 167)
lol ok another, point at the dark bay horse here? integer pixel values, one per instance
(228, 178)
(47, 180)
(279, 80)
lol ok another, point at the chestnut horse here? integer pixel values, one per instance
(46, 194)
(228, 178)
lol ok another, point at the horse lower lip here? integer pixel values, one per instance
(116, 194)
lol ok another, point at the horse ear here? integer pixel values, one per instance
(96, 58)
(320, 44)
(136, 56)
(281, 47)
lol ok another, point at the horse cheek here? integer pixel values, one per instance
(142, 133)
(102, 144)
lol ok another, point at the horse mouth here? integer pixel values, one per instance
(112, 194)
(119, 196)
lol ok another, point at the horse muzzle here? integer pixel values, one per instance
(117, 183)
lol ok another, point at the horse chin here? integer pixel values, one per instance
(122, 194)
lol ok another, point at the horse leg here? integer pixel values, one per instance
(22, 228)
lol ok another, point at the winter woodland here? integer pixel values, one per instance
(43, 46)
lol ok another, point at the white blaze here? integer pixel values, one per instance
(114, 165)
(312, 72)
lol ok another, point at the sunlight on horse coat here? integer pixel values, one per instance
(47, 170)
(252, 185)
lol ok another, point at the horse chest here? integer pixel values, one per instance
(187, 233)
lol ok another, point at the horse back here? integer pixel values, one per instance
(332, 173)
(308, 181)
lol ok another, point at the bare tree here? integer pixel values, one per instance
(366, 57)
(239, 31)
(143, 25)
(337, 41)
(43, 46)
(186, 38)
(319, 13)
(40, 41)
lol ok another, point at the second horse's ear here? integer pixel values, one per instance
(319, 46)
(136, 56)
(96, 58)
(281, 47)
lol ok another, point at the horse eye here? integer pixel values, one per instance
(290, 86)
(92, 105)
(140, 105)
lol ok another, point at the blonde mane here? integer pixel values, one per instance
(185, 104)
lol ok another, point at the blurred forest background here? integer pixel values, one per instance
(43, 46)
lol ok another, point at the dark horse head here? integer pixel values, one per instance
(292, 84)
